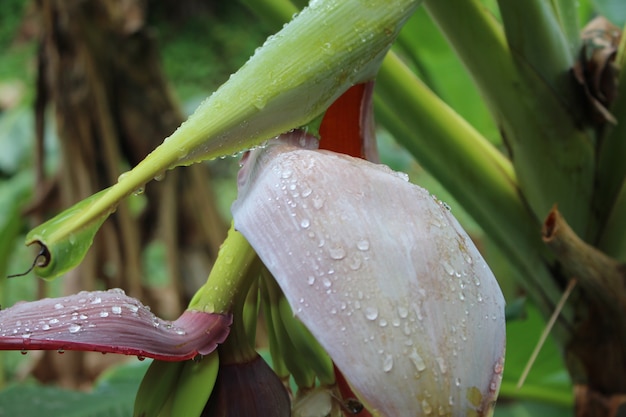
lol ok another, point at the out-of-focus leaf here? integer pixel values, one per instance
(13, 195)
(548, 380)
(113, 396)
(440, 68)
(614, 10)
(531, 409)
(16, 135)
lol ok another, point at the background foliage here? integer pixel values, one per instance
(200, 47)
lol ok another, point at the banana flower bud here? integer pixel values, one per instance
(109, 322)
(382, 275)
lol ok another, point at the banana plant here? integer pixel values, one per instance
(352, 244)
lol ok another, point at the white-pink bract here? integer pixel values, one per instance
(381, 273)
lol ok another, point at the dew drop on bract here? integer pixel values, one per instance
(318, 203)
(387, 362)
(337, 252)
(74, 328)
(448, 268)
(417, 360)
(371, 313)
(363, 244)
(426, 407)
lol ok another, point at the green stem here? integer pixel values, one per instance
(230, 277)
(612, 170)
(544, 49)
(553, 157)
(238, 348)
(479, 177)
(612, 241)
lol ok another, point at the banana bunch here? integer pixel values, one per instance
(291, 343)
(174, 389)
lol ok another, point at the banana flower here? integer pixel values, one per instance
(109, 322)
(382, 275)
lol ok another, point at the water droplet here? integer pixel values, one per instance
(355, 263)
(122, 176)
(83, 317)
(180, 332)
(133, 308)
(461, 296)
(104, 314)
(499, 366)
(259, 102)
(53, 321)
(310, 280)
(306, 191)
(160, 177)
(371, 313)
(58, 306)
(326, 282)
(457, 382)
(448, 268)
(96, 300)
(318, 202)
(23, 351)
(442, 364)
(403, 312)
(116, 310)
(337, 252)
(74, 328)
(363, 244)
(426, 407)
(407, 329)
(382, 323)
(387, 363)
(417, 360)
(286, 173)
(139, 191)
(45, 327)
(305, 223)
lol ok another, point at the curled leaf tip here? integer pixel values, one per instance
(109, 322)
(41, 260)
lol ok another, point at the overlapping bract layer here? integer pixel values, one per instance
(382, 275)
(109, 321)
